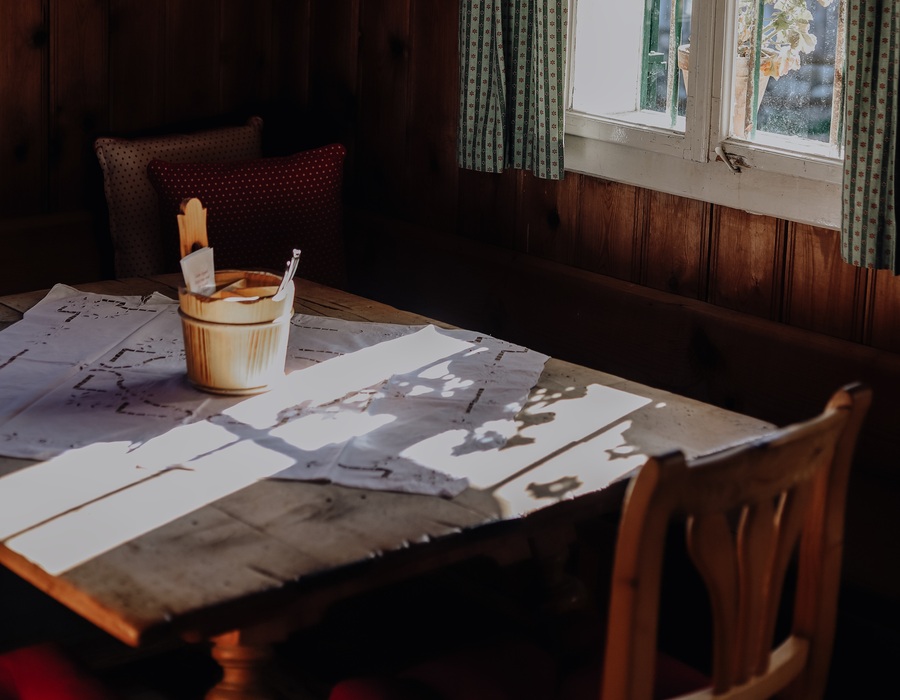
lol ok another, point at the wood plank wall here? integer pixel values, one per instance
(766, 267)
(73, 70)
(381, 77)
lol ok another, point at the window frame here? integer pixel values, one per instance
(772, 181)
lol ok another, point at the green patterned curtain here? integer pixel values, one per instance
(512, 56)
(869, 229)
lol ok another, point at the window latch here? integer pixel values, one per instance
(725, 158)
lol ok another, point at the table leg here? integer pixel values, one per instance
(243, 660)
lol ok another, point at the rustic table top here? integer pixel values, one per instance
(272, 545)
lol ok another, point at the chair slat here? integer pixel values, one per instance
(713, 551)
(777, 490)
(756, 541)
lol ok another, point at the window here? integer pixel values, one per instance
(661, 95)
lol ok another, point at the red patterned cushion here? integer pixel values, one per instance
(42, 672)
(259, 210)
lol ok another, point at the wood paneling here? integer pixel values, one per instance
(24, 41)
(39, 251)
(609, 227)
(882, 327)
(287, 69)
(78, 97)
(334, 71)
(192, 58)
(247, 67)
(746, 262)
(676, 244)
(548, 222)
(432, 116)
(822, 293)
(136, 65)
(488, 205)
(384, 102)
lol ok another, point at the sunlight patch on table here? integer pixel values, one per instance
(315, 431)
(348, 373)
(80, 535)
(562, 436)
(69, 509)
(40, 492)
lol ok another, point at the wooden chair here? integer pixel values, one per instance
(786, 488)
(749, 511)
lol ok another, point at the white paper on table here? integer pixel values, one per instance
(476, 389)
(356, 398)
(61, 334)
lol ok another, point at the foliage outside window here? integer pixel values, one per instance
(784, 34)
(772, 37)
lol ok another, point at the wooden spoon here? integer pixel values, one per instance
(192, 226)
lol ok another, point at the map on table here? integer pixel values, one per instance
(83, 370)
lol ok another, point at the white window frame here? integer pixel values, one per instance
(772, 180)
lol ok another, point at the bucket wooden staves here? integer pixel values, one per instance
(235, 341)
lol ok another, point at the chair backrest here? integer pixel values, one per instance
(748, 510)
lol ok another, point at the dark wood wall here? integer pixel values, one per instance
(73, 70)
(380, 76)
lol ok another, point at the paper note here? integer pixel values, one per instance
(199, 271)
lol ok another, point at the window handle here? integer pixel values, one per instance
(725, 158)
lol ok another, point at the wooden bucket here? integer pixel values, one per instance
(235, 342)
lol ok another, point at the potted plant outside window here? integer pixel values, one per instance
(786, 34)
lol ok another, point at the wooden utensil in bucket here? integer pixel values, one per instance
(192, 226)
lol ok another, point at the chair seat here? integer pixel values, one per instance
(44, 672)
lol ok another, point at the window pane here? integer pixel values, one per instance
(625, 60)
(795, 43)
(667, 23)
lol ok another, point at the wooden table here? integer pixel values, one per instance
(247, 569)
